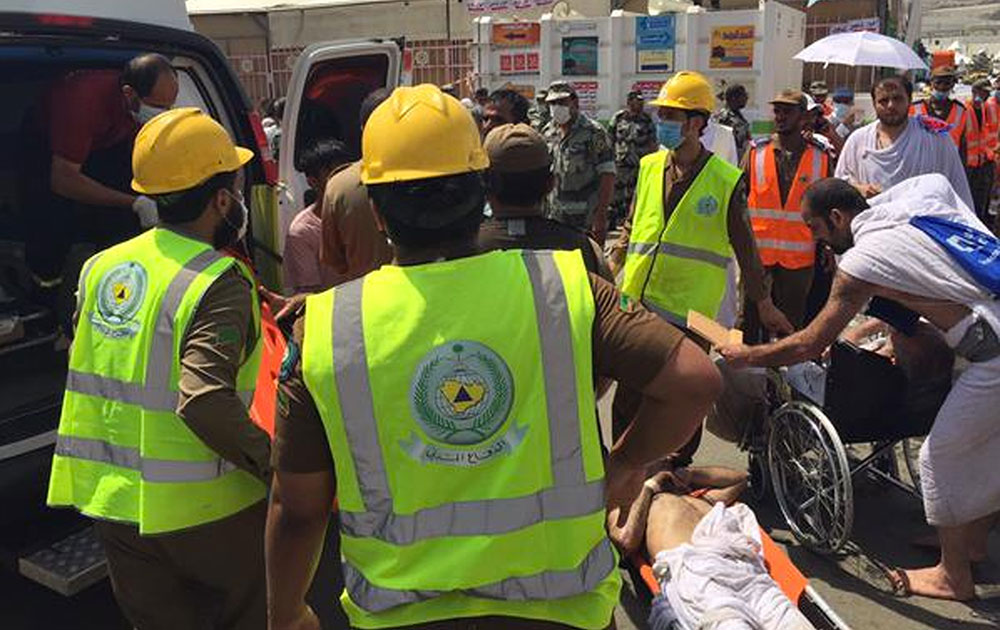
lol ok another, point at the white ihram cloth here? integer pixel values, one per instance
(916, 151)
(958, 459)
(719, 140)
(718, 581)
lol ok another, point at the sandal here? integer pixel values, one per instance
(900, 582)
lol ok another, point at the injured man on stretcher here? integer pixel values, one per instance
(706, 551)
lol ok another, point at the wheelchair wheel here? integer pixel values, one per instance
(810, 476)
(911, 459)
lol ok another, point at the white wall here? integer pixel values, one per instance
(416, 19)
(779, 33)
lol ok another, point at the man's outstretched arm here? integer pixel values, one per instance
(847, 296)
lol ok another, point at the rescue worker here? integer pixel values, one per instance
(779, 169)
(583, 164)
(962, 126)
(76, 148)
(633, 135)
(539, 114)
(155, 442)
(453, 393)
(985, 117)
(688, 219)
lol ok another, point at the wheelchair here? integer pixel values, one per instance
(816, 435)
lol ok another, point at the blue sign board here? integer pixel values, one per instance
(654, 32)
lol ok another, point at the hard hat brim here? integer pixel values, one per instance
(243, 157)
(669, 102)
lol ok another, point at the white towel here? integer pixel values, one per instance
(719, 581)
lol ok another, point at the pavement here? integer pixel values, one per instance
(852, 582)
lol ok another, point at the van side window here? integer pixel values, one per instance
(189, 94)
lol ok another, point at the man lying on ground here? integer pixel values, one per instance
(708, 559)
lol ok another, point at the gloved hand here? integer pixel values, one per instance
(146, 209)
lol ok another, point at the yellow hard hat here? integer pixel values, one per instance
(686, 90)
(180, 149)
(420, 133)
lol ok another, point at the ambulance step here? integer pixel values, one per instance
(68, 566)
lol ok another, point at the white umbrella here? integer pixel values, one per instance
(862, 48)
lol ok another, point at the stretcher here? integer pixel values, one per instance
(780, 567)
(272, 354)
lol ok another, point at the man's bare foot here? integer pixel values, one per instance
(977, 549)
(930, 582)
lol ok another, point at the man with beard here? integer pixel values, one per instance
(890, 251)
(896, 147)
(504, 107)
(155, 442)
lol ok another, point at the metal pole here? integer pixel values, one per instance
(448, 49)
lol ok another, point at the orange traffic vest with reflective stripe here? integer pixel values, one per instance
(782, 236)
(990, 128)
(963, 124)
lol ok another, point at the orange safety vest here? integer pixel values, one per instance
(962, 123)
(990, 128)
(782, 236)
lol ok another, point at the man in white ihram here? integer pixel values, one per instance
(884, 255)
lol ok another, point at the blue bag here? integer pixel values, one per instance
(976, 252)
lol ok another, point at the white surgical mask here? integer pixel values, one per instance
(560, 114)
(147, 113)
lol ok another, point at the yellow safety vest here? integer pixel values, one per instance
(458, 403)
(676, 265)
(122, 453)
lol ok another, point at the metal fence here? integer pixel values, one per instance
(435, 61)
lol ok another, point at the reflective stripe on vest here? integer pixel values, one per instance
(680, 251)
(155, 394)
(782, 236)
(546, 585)
(153, 470)
(570, 496)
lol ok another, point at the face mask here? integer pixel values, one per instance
(560, 114)
(147, 113)
(840, 110)
(233, 228)
(941, 95)
(996, 95)
(668, 133)
(977, 99)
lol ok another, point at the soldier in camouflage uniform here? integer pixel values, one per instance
(732, 116)
(539, 115)
(633, 135)
(582, 162)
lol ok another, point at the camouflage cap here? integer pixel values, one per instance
(943, 71)
(790, 97)
(559, 90)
